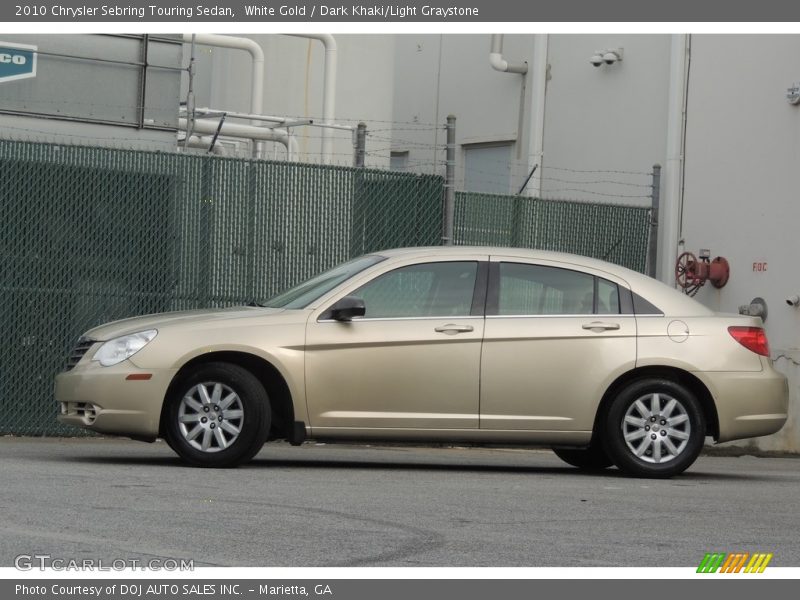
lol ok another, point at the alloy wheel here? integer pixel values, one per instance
(210, 416)
(656, 428)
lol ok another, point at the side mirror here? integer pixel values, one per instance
(347, 308)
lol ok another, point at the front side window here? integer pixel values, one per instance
(539, 290)
(439, 289)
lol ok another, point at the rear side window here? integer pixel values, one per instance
(524, 289)
(607, 297)
(644, 307)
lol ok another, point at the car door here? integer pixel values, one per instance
(413, 360)
(556, 336)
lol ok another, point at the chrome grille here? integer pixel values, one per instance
(78, 351)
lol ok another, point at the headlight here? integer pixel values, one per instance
(121, 348)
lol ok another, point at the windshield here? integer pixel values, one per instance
(305, 293)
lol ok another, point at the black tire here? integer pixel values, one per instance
(593, 458)
(249, 413)
(682, 427)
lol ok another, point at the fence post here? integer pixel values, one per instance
(449, 183)
(652, 250)
(190, 112)
(361, 145)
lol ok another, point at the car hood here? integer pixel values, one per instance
(182, 318)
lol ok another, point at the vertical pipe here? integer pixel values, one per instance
(538, 88)
(257, 75)
(652, 250)
(673, 169)
(361, 144)
(328, 89)
(449, 183)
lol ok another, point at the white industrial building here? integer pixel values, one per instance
(715, 111)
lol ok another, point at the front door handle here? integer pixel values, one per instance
(451, 329)
(597, 326)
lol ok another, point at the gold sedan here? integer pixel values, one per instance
(455, 344)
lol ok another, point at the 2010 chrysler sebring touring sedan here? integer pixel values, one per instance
(491, 345)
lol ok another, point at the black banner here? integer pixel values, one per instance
(442, 11)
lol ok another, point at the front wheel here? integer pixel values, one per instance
(654, 428)
(219, 416)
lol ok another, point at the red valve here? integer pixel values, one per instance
(691, 274)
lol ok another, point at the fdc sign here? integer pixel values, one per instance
(17, 61)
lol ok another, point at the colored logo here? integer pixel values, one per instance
(738, 562)
(17, 61)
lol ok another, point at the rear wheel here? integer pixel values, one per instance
(593, 458)
(654, 428)
(219, 416)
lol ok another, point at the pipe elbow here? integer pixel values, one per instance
(228, 41)
(328, 41)
(501, 64)
(498, 62)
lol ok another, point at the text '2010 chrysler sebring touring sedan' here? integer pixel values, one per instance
(485, 345)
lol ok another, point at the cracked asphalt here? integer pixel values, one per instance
(348, 505)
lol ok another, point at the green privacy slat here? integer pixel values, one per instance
(611, 232)
(90, 235)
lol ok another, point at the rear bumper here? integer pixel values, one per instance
(748, 404)
(101, 399)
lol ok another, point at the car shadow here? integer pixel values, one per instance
(689, 477)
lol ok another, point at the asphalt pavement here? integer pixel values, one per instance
(347, 505)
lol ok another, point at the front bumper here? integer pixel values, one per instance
(748, 404)
(102, 399)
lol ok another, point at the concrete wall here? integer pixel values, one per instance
(611, 118)
(742, 179)
(605, 127)
(85, 101)
(438, 75)
(293, 87)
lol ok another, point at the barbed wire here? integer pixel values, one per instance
(593, 193)
(395, 129)
(536, 176)
(345, 159)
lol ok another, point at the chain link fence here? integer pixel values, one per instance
(610, 232)
(91, 235)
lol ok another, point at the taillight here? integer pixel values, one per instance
(752, 338)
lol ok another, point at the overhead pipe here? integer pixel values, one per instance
(204, 143)
(499, 63)
(250, 132)
(239, 43)
(328, 89)
(285, 121)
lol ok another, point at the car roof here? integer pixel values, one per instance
(504, 251)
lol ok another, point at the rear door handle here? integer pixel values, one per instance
(451, 329)
(600, 326)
